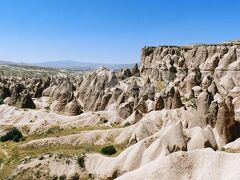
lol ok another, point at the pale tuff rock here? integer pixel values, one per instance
(226, 124)
(160, 103)
(93, 86)
(64, 92)
(125, 73)
(203, 104)
(135, 71)
(105, 100)
(199, 164)
(172, 98)
(38, 90)
(213, 88)
(148, 90)
(125, 109)
(59, 106)
(199, 138)
(115, 95)
(133, 89)
(74, 108)
(27, 102)
(139, 154)
(4, 92)
(142, 107)
(21, 100)
(167, 129)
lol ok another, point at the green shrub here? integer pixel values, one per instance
(53, 129)
(105, 121)
(81, 161)
(127, 124)
(13, 134)
(47, 108)
(108, 150)
(63, 177)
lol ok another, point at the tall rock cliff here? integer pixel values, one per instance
(195, 63)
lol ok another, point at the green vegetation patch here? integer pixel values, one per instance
(16, 153)
(81, 161)
(108, 150)
(230, 150)
(56, 131)
(159, 85)
(11, 153)
(12, 135)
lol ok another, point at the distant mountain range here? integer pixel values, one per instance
(6, 62)
(73, 65)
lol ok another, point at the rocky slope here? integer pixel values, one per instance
(175, 117)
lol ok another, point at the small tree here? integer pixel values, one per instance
(13, 134)
(108, 150)
(63, 177)
(127, 124)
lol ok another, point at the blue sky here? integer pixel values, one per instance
(110, 31)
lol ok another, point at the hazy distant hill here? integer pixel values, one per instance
(23, 70)
(6, 62)
(69, 64)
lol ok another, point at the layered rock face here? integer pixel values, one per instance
(210, 72)
(190, 70)
(170, 63)
(94, 91)
(208, 66)
(205, 78)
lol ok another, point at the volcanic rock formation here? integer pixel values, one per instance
(170, 114)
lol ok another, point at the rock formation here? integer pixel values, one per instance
(169, 115)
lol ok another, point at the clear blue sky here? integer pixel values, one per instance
(110, 31)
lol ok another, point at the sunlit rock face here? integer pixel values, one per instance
(212, 67)
(173, 116)
(191, 64)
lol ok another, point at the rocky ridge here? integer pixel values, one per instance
(179, 99)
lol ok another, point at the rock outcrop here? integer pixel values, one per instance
(74, 108)
(169, 116)
(22, 100)
(4, 92)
